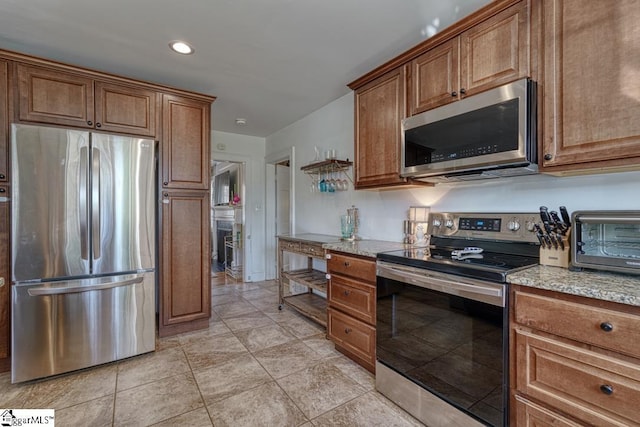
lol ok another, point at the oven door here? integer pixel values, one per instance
(447, 334)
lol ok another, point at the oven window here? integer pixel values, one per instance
(488, 130)
(450, 345)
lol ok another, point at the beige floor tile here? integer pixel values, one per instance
(13, 395)
(151, 367)
(213, 350)
(95, 413)
(243, 287)
(320, 388)
(301, 327)
(265, 304)
(269, 406)
(72, 389)
(322, 345)
(255, 319)
(233, 309)
(284, 359)
(217, 300)
(262, 293)
(267, 336)
(167, 343)
(157, 401)
(222, 289)
(230, 378)
(368, 410)
(354, 371)
(215, 328)
(197, 418)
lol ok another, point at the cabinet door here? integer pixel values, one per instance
(5, 278)
(496, 51)
(435, 78)
(186, 268)
(126, 109)
(379, 107)
(185, 152)
(56, 97)
(4, 121)
(591, 97)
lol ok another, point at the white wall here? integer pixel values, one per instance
(382, 212)
(251, 151)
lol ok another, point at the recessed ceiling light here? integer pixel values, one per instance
(241, 121)
(181, 47)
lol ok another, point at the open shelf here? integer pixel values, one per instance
(313, 279)
(311, 305)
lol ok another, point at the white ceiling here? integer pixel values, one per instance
(269, 61)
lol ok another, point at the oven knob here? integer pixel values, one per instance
(513, 225)
(448, 223)
(436, 223)
(531, 226)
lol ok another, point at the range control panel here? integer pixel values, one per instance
(494, 226)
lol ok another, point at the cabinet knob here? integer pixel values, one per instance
(2, 176)
(166, 195)
(606, 326)
(606, 389)
(346, 264)
(348, 330)
(328, 256)
(327, 276)
(454, 94)
(347, 293)
(165, 183)
(463, 91)
(98, 125)
(90, 123)
(3, 190)
(548, 156)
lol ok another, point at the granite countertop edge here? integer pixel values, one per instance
(606, 286)
(365, 247)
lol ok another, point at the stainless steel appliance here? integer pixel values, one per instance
(488, 135)
(442, 318)
(83, 249)
(606, 240)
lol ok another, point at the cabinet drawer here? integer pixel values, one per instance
(529, 414)
(312, 250)
(354, 298)
(286, 245)
(597, 389)
(592, 325)
(353, 335)
(363, 269)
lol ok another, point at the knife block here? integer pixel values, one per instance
(557, 257)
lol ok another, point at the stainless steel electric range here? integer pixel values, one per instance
(442, 317)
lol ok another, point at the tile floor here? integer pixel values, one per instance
(254, 366)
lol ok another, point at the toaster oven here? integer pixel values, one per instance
(606, 240)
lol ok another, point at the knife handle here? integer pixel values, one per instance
(565, 216)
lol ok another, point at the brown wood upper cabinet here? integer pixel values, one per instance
(4, 121)
(186, 143)
(591, 96)
(47, 95)
(489, 54)
(379, 110)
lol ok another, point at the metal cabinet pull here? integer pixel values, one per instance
(346, 264)
(606, 326)
(347, 293)
(606, 389)
(348, 330)
(454, 94)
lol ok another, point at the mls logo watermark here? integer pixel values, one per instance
(27, 417)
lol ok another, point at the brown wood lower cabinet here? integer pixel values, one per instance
(352, 306)
(573, 357)
(185, 271)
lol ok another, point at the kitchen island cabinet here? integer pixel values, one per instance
(54, 96)
(352, 306)
(303, 289)
(574, 358)
(591, 102)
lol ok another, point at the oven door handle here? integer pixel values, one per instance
(476, 290)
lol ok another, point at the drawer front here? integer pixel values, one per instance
(360, 268)
(312, 250)
(592, 387)
(529, 414)
(286, 245)
(592, 325)
(354, 298)
(354, 335)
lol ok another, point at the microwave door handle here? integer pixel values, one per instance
(608, 219)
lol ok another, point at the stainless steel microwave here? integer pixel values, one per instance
(606, 240)
(488, 135)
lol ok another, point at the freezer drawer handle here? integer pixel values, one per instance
(75, 289)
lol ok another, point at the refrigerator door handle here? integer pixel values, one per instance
(76, 289)
(95, 202)
(84, 198)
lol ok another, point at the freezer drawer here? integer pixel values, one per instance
(59, 327)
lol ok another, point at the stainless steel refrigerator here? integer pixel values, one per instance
(83, 249)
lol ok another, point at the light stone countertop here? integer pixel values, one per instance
(615, 287)
(369, 248)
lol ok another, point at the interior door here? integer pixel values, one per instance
(49, 202)
(122, 203)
